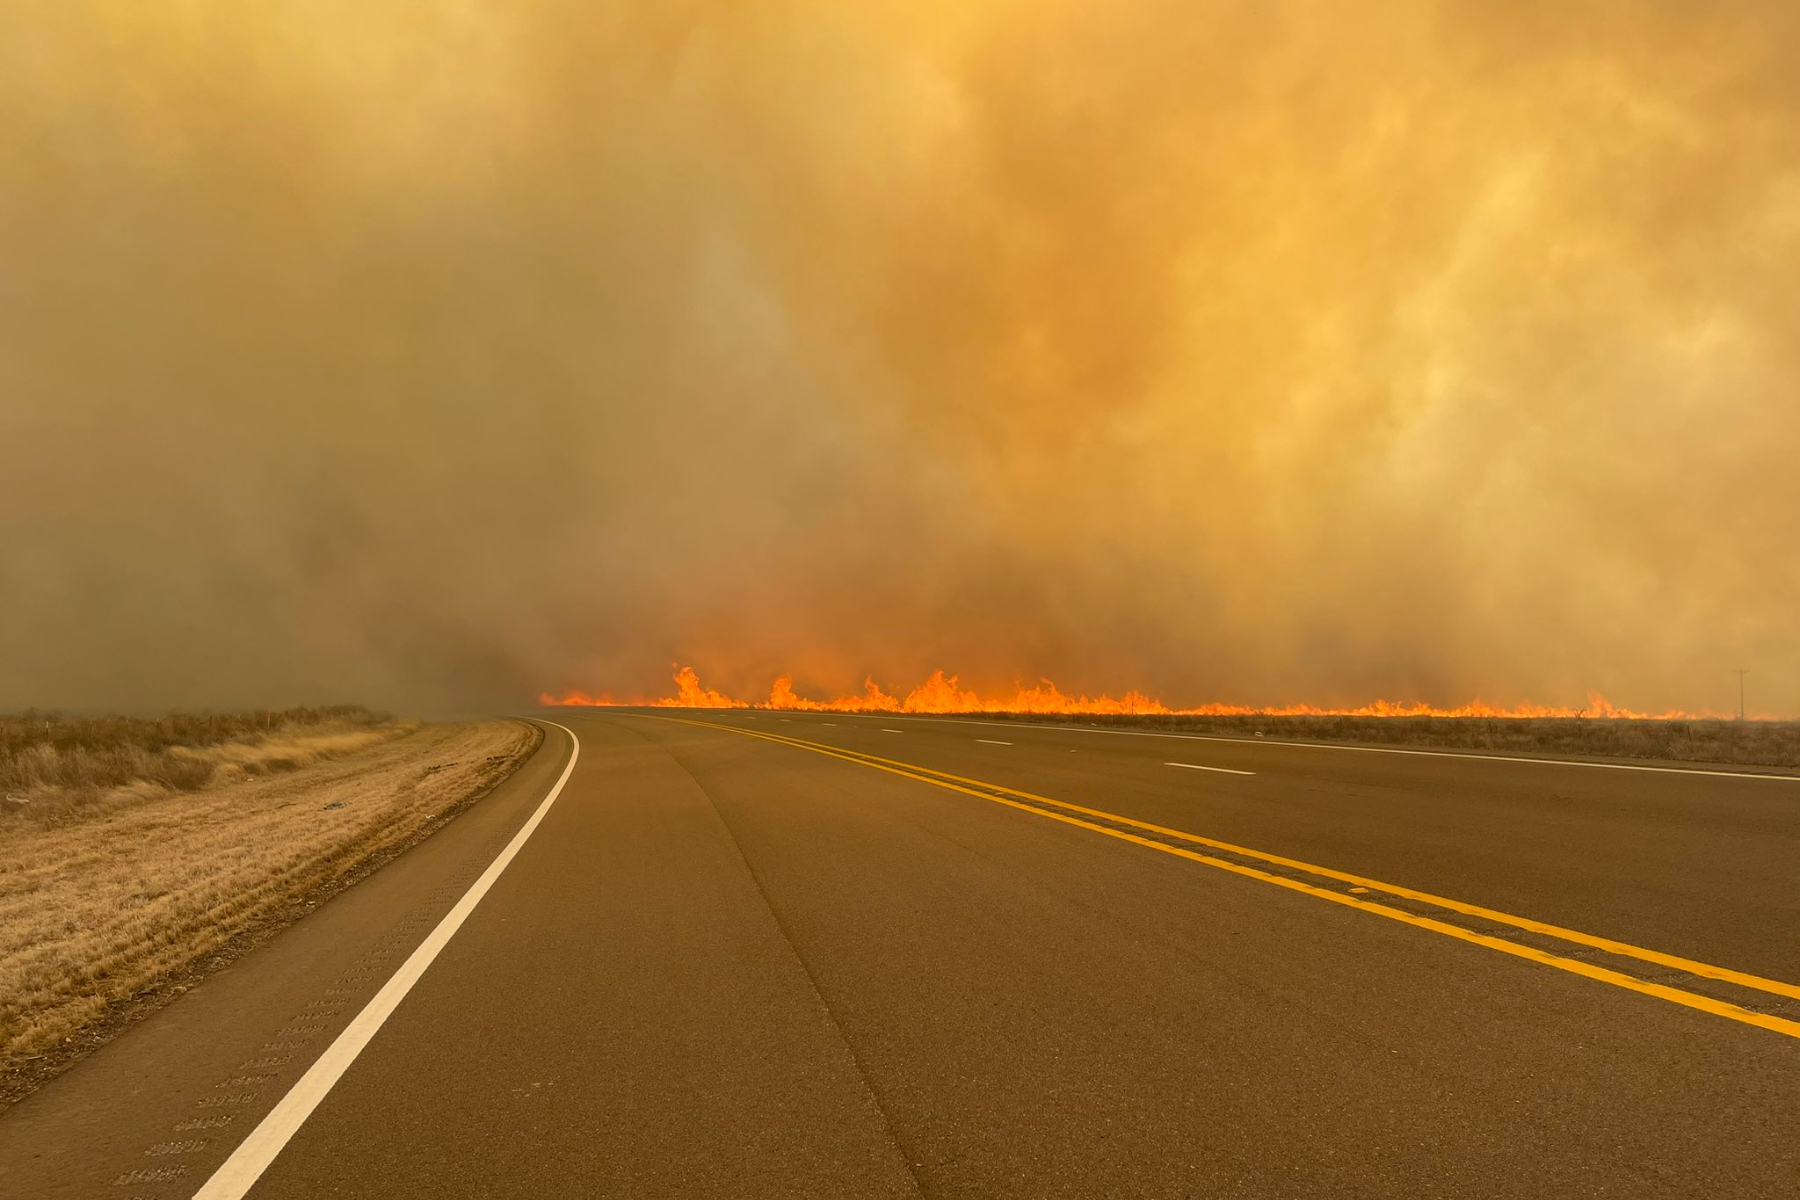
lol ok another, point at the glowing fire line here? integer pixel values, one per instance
(944, 694)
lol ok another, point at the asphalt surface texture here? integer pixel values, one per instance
(758, 954)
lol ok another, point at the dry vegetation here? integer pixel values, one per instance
(134, 849)
(1744, 743)
(55, 768)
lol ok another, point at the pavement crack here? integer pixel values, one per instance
(907, 1158)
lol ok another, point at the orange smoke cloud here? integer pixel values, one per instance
(944, 694)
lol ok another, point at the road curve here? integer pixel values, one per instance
(771, 955)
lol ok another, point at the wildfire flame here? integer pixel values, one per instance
(941, 693)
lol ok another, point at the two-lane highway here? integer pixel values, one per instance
(780, 954)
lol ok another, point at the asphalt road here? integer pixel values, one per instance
(763, 955)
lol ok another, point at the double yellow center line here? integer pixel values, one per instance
(1351, 891)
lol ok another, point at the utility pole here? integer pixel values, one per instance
(1741, 672)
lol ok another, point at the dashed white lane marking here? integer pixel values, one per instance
(833, 724)
(239, 1173)
(893, 731)
(1213, 737)
(992, 742)
(1220, 770)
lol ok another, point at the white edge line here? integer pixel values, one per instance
(1213, 737)
(239, 1173)
(992, 742)
(1220, 770)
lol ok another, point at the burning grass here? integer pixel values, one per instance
(1597, 729)
(145, 848)
(945, 694)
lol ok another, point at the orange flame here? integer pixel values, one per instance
(690, 693)
(941, 693)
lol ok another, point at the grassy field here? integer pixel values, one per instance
(131, 851)
(54, 768)
(1742, 743)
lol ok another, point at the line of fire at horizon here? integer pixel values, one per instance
(943, 693)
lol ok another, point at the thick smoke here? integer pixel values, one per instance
(434, 355)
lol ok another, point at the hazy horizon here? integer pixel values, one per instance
(1262, 353)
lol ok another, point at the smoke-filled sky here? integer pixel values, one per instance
(435, 354)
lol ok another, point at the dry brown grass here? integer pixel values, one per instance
(104, 898)
(52, 766)
(1742, 743)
